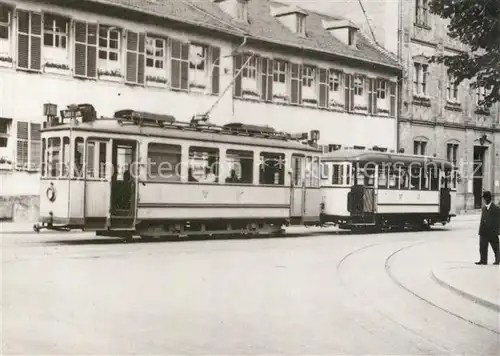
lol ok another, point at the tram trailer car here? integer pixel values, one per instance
(103, 175)
(364, 189)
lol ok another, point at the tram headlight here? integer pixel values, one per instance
(51, 193)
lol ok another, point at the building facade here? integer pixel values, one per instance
(248, 61)
(436, 117)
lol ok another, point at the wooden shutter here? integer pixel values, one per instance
(237, 63)
(35, 146)
(296, 83)
(185, 66)
(392, 95)
(22, 144)
(351, 92)
(372, 96)
(267, 79)
(323, 88)
(85, 52)
(29, 35)
(135, 57)
(215, 66)
(179, 73)
(347, 88)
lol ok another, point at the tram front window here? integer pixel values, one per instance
(54, 157)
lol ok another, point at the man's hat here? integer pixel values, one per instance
(487, 194)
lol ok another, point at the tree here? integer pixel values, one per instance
(475, 23)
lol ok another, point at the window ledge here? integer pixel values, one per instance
(422, 100)
(57, 70)
(159, 82)
(453, 106)
(422, 26)
(481, 111)
(5, 61)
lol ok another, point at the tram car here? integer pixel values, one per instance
(150, 175)
(363, 189)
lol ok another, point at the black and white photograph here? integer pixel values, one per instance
(250, 177)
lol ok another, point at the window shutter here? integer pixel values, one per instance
(300, 83)
(267, 79)
(85, 49)
(372, 96)
(392, 93)
(215, 67)
(375, 83)
(132, 71)
(347, 88)
(351, 100)
(141, 70)
(295, 83)
(35, 146)
(175, 70)
(36, 41)
(22, 144)
(23, 39)
(323, 88)
(185, 66)
(237, 80)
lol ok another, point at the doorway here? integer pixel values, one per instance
(123, 184)
(478, 175)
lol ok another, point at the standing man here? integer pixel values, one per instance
(488, 230)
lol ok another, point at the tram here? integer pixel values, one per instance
(364, 189)
(139, 173)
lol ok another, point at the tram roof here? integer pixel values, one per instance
(349, 155)
(111, 126)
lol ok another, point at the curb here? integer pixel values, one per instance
(485, 303)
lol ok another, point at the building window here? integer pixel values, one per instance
(5, 125)
(419, 147)
(421, 12)
(242, 10)
(198, 57)
(452, 153)
(249, 81)
(55, 39)
(308, 83)
(358, 85)
(179, 69)
(5, 31)
(452, 89)
(334, 81)
(381, 89)
(352, 37)
(156, 65)
(301, 24)
(29, 40)
(109, 48)
(28, 146)
(280, 69)
(420, 78)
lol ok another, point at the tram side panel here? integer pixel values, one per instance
(407, 202)
(55, 201)
(335, 201)
(164, 201)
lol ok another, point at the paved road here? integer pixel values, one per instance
(329, 294)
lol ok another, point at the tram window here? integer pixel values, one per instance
(203, 165)
(414, 178)
(454, 179)
(78, 157)
(164, 162)
(54, 157)
(393, 178)
(66, 157)
(337, 174)
(446, 176)
(404, 174)
(424, 179)
(44, 158)
(297, 170)
(434, 178)
(241, 162)
(102, 159)
(272, 168)
(90, 163)
(348, 173)
(308, 173)
(325, 171)
(359, 173)
(382, 177)
(369, 172)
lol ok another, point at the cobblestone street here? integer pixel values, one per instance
(317, 293)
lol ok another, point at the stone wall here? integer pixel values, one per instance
(23, 208)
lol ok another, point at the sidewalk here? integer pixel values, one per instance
(458, 273)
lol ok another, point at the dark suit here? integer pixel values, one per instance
(488, 232)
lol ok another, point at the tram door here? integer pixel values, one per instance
(123, 184)
(297, 187)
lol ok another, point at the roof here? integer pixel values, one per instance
(111, 126)
(348, 155)
(262, 26)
